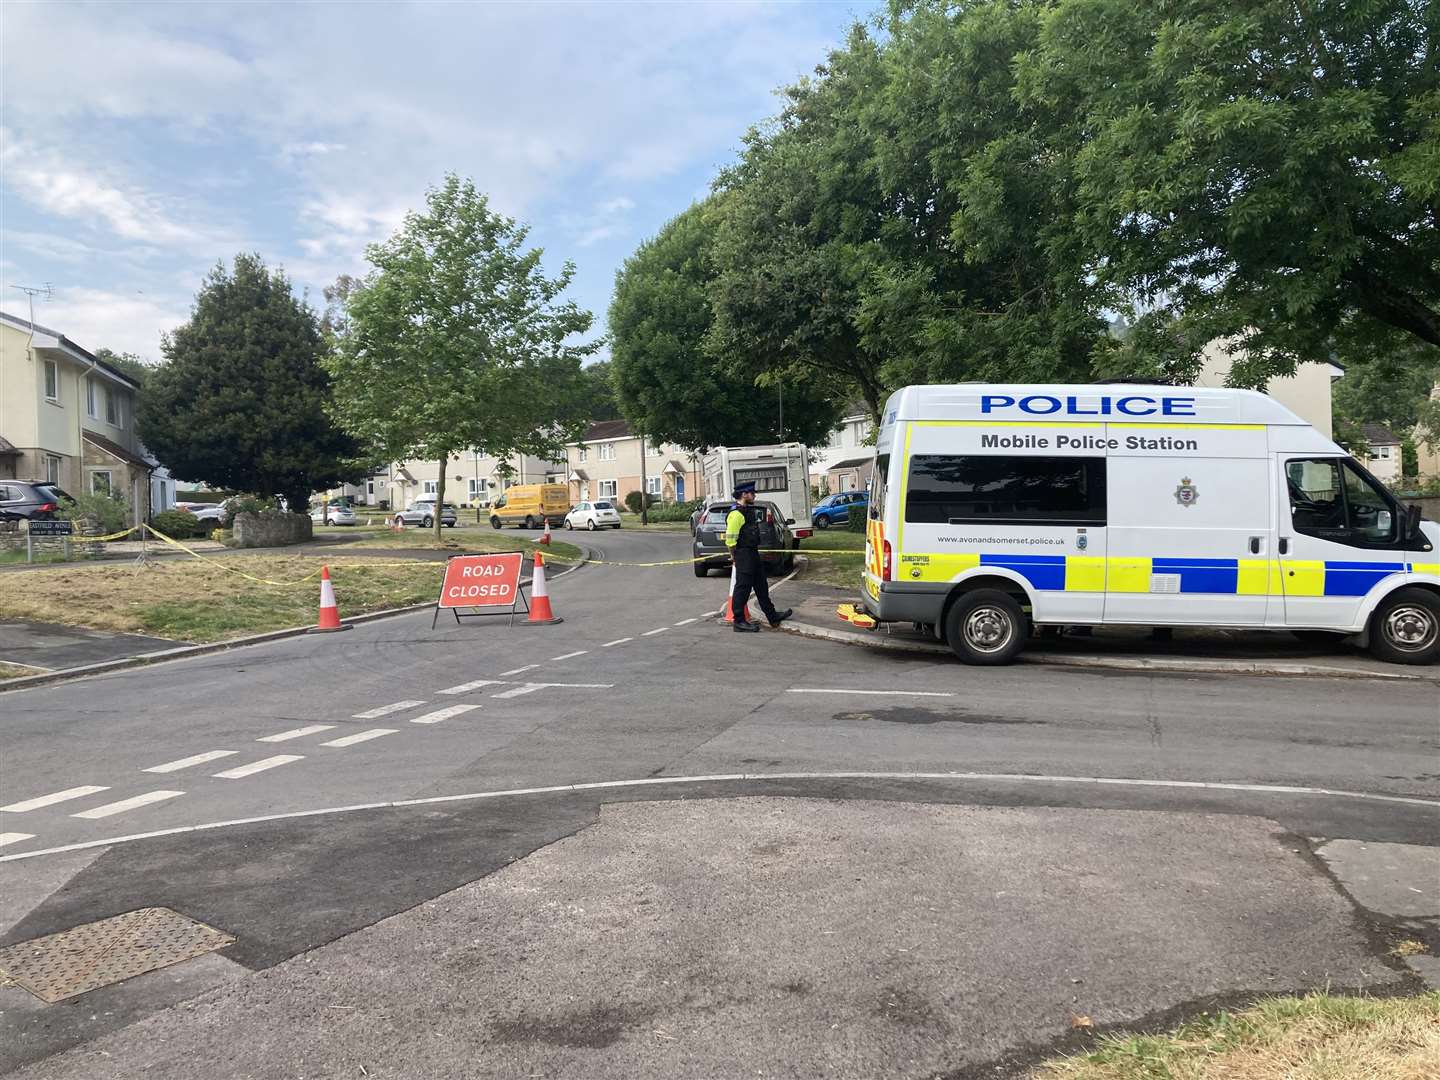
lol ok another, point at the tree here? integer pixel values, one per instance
(1389, 376)
(457, 341)
(128, 364)
(241, 401)
(599, 391)
(1267, 170)
(668, 384)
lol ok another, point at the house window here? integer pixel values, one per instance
(607, 453)
(1384, 451)
(90, 409)
(583, 455)
(652, 485)
(432, 487)
(655, 450)
(112, 407)
(609, 489)
(477, 487)
(52, 469)
(52, 381)
(100, 482)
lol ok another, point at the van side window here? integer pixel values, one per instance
(1332, 499)
(877, 486)
(956, 489)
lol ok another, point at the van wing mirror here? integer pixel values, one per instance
(789, 521)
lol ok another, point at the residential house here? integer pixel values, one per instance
(1383, 459)
(1307, 393)
(845, 459)
(471, 479)
(852, 474)
(606, 463)
(68, 418)
(1427, 457)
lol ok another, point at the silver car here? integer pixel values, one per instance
(333, 515)
(422, 512)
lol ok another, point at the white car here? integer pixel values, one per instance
(600, 514)
(333, 515)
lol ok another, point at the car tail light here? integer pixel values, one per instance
(887, 567)
(48, 508)
(803, 534)
(769, 517)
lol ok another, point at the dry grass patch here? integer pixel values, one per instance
(1317, 1037)
(17, 671)
(201, 601)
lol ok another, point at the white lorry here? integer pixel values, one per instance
(994, 508)
(780, 472)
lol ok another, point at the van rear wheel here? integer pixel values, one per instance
(1405, 628)
(985, 627)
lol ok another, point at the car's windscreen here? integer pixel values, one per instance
(604, 506)
(716, 515)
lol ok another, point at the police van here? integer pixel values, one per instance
(996, 508)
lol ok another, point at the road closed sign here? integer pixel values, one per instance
(482, 580)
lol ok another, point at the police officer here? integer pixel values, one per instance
(742, 537)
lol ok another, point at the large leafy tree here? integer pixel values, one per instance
(457, 340)
(128, 364)
(669, 385)
(240, 402)
(599, 391)
(1268, 170)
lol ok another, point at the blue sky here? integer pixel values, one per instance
(141, 143)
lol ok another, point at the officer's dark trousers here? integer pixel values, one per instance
(750, 575)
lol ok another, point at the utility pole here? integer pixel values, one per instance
(644, 486)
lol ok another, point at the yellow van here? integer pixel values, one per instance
(531, 505)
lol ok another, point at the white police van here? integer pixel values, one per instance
(997, 507)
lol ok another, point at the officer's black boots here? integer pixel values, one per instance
(781, 616)
(745, 627)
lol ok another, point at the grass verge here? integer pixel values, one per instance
(843, 569)
(1316, 1037)
(16, 671)
(201, 602)
(458, 540)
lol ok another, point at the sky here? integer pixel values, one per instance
(142, 143)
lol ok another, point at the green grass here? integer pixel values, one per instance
(844, 569)
(12, 557)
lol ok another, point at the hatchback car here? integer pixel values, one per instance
(422, 512)
(35, 500)
(835, 509)
(777, 542)
(334, 514)
(600, 514)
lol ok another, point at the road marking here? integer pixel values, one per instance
(127, 804)
(399, 706)
(14, 837)
(295, 733)
(573, 685)
(518, 670)
(523, 688)
(360, 736)
(186, 762)
(838, 690)
(790, 777)
(443, 714)
(466, 687)
(241, 771)
(617, 641)
(568, 655)
(686, 622)
(50, 800)
(657, 630)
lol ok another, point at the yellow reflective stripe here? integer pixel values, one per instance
(1304, 577)
(1003, 423)
(1128, 574)
(1182, 423)
(1429, 569)
(904, 490)
(1258, 577)
(1084, 573)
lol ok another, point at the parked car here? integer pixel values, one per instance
(600, 514)
(422, 512)
(34, 500)
(835, 509)
(777, 542)
(334, 514)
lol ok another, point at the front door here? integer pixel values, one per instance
(1340, 541)
(679, 488)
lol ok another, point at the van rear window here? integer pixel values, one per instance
(952, 489)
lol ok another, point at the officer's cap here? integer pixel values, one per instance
(741, 489)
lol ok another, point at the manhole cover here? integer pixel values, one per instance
(59, 966)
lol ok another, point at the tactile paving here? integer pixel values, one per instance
(87, 957)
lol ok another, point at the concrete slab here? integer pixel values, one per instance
(802, 937)
(56, 648)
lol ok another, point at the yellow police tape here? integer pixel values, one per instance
(251, 577)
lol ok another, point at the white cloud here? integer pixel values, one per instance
(93, 318)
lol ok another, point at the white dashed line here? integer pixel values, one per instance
(186, 762)
(14, 837)
(360, 736)
(686, 622)
(839, 690)
(466, 687)
(386, 710)
(523, 688)
(617, 641)
(568, 655)
(296, 733)
(241, 771)
(518, 670)
(127, 804)
(657, 630)
(442, 714)
(574, 685)
(50, 800)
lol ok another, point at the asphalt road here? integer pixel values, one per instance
(643, 695)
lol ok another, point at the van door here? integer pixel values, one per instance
(1339, 541)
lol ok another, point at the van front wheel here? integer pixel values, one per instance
(985, 627)
(1405, 628)
(496, 523)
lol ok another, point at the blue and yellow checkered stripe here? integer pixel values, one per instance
(1125, 574)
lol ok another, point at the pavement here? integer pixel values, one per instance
(637, 844)
(52, 647)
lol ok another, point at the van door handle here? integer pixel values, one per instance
(1254, 545)
(1284, 545)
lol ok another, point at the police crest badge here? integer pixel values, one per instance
(1186, 494)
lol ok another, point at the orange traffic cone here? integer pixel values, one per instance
(545, 536)
(329, 613)
(540, 596)
(730, 602)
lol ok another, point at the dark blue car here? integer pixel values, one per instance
(835, 509)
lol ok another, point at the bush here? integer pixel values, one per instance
(177, 523)
(632, 501)
(676, 511)
(103, 514)
(855, 522)
(245, 504)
